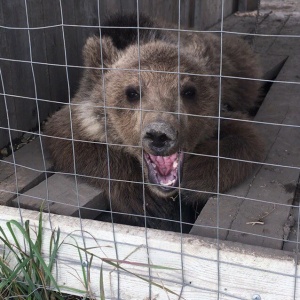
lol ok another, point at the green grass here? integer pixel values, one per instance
(24, 273)
(31, 278)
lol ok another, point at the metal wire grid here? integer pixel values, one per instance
(139, 70)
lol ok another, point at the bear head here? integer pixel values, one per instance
(156, 101)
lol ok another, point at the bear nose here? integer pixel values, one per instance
(159, 137)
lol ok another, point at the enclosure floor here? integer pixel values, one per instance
(262, 211)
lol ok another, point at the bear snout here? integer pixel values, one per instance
(160, 138)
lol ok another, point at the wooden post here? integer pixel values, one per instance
(248, 5)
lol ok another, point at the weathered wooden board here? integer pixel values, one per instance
(4, 135)
(271, 66)
(235, 23)
(29, 172)
(208, 13)
(193, 267)
(247, 5)
(60, 195)
(273, 24)
(17, 75)
(291, 230)
(268, 24)
(41, 52)
(288, 45)
(273, 185)
(31, 185)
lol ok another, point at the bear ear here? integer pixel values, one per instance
(92, 52)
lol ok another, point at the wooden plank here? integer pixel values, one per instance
(6, 72)
(30, 156)
(58, 84)
(268, 23)
(272, 25)
(288, 45)
(208, 13)
(166, 10)
(85, 13)
(39, 54)
(247, 5)
(62, 197)
(291, 228)
(287, 7)
(22, 113)
(244, 24)
(228, 23)
(271, 65)
(226, 271)
(187, 11)
(273, 184)
(108, 7)
(73, 47)
(4, 137)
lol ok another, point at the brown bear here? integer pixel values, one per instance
(144, 125)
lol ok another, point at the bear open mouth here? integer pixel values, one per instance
(164, 170)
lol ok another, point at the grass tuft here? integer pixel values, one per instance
(25, 274)
(31, 276)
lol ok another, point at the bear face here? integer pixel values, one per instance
(153, 109)
(159, 107)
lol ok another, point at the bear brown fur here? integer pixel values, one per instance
(145, 123)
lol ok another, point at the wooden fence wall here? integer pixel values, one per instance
(47, 50)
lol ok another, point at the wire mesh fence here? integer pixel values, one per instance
(163, 126)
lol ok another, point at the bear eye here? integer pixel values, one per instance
(132, 94)
(188, 92)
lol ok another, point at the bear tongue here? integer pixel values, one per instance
(165, 164)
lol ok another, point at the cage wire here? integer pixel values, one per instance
(64, 26)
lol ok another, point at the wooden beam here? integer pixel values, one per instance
(248, 5)
(29, 172)
(287, 45)
(29, 188)
(60, 195)
(210, 270)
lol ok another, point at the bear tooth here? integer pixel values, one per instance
(170, 182)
